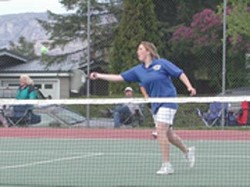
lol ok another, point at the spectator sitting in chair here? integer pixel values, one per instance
(26, 90)
(123, 114)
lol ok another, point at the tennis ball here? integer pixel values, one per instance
(44, 50)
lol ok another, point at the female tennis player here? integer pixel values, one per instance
(154, 74)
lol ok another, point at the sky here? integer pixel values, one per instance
(24, 6)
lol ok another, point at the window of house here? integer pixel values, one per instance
(39, 86)
(13, 85)
(48, 86)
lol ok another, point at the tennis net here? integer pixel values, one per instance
(76, 142)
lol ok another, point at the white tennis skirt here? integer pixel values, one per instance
(164, 115)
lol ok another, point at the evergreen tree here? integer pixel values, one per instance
(67, 28)
(138, 23)
(23, 48)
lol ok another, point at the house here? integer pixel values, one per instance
(58, 80)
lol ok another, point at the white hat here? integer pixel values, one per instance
(128, 89)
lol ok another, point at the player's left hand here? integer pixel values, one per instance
(192, 91)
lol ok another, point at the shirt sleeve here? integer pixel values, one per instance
(130, 75)
(172, 69)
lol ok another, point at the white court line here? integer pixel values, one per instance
(113, 154)
(175, 154)
(49, 161)
(89, 154)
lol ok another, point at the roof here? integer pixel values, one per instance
(12, 54)
(38, 66)
(8, 58)
(11, 62)
(238, 91)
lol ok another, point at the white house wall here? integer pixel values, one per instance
(47, 87)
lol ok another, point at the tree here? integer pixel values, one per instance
(64, 29)
(23, 48)
(238, 32)
(238, 19)
(138, 23)
(173, 13)
(200, 42)
(203, 39)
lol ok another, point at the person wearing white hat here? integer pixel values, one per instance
(128, 89)
(123, 113)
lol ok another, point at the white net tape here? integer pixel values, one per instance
(104, 101)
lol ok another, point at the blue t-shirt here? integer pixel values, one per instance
(156, 79)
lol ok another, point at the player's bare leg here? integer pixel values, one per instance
(166, 167)
(176, 140)
(163, 141)
(189, 153)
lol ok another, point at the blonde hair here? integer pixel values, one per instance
(151, 48)
(27, 79)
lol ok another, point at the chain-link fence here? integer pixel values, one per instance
(74, 139)
(188, 34)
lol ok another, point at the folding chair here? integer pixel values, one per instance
(214, 115)
(20, 115)
(135, 119)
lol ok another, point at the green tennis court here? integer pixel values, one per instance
(69, 162)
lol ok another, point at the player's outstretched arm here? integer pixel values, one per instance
(107, 77)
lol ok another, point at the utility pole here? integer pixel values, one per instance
(224, 60)
(88, 60)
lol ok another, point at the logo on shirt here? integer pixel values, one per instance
(157, 67)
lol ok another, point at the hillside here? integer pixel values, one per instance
(13, 26)
(16, 25)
